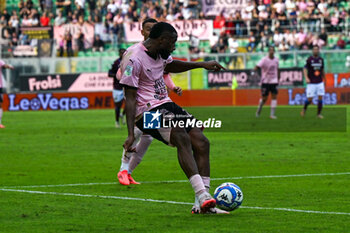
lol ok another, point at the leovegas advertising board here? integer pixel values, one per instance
(338, 80)
(250, 97)
(58, 101)
(85, 82)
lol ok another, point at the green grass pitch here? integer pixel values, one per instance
(80, 147)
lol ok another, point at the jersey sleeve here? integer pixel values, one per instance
(261, 63)
(130, 74)
(168, 81)
(169, 60)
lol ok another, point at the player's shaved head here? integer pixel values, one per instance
(164, 36)
(162, 28)
(147, 26)
(148, 20)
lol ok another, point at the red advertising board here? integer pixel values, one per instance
(338, 80)
(104, 100)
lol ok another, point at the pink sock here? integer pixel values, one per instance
(197, 184)
(141, 149)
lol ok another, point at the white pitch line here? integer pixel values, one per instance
(184, 181)
(257, 177)
(167, 202)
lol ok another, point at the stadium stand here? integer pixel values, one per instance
(288, 25)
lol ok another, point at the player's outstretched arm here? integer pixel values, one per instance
(181, 66)
(171, 85)
(130, 109)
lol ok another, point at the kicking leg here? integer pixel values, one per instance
(182, 141)
(201, 149)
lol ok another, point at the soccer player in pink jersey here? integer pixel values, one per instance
(3, 65)
(130, 160)
(269, 81)
(142, 69)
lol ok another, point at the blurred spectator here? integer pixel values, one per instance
(239, 24)
(98, 44)
(277, 38)
(92, 6)
(283, 46)
(52, 19)
(80, 40)
(29, 4)
(192, 7)
(194, 44)
(14, 22)
(14, 39)
(64, 6)
(33, 20)
(301, 39)
(80, 10)
(247, 15)
(309, 41)
(61, 43)
(219, 47)
(264, 41)
(252, 42)
(6, 15)
(340, 43)
(319, 42)
(230, 25)
(323, 36)
(69, 44)
(289, 38)
(44, 20)
(100, 28)
(26, 22)
(280, 7)
(48, 5)
(291, 8)
(114, 33)
(233, 44)
(59, 20)
(219, 22)
(112, 6)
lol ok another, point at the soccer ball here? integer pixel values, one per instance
(228, 196)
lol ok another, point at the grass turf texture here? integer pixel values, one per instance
(83, 146)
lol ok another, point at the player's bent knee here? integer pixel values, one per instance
(199, 140)
(179, 137)
(203, 143)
